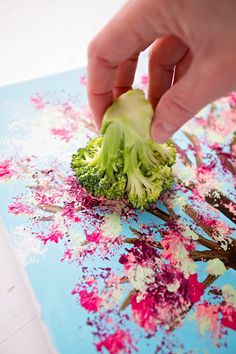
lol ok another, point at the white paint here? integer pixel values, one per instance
(229, 294)
(174, 286)
(112, 226)
(28, 247)
(140, 277)
(215, 267)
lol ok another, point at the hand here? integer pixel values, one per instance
(192, 59)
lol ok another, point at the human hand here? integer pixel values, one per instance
(192, 60)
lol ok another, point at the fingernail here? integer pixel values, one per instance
(162, 131)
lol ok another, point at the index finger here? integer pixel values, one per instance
(133, 29)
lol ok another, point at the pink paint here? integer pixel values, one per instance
(68, 254)
(83, 80)
(118, 342)
(68, 123)
(232, 98)
(176, 246)
(144, 312)
(201, 121)
(220, 228)
(70, 212)
(229, 317)
(95, 236)
(206, 173)
(6, 170)
(225, 124)
(62, 133)
(19, 207)
(90, 300)
(170, 243)
(196, 289)
(232, 207)
(38, 101)
(129, 261)
(43, 197)
(210, 314)
(144, 80)
(53, 236)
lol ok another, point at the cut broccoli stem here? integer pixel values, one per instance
(110, 148)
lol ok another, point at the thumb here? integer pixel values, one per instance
(182, 101)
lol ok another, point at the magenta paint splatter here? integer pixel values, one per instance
(6, 169)
(38, 101)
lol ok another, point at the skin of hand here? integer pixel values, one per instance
(192, 58)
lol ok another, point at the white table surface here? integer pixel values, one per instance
(41, 37)
(38, 38)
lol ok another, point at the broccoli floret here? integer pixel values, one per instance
(124, 160)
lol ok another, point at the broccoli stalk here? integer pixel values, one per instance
(124, 160)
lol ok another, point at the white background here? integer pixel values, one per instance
(41, 37)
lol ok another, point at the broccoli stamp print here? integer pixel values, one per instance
(129, 246)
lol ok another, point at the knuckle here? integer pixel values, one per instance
(155, 49)
(97, 53)
(93, 48)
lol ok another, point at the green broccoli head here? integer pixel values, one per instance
(124, 160)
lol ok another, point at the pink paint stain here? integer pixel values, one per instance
(229, 317)
(144, 80)
(232, 98)
(95, 236)
(42, 197)
(70, 212)
(53, 236)
(83, 80)
(68, 124)
(145, 312)
(209, 313)
(68, 254)
(196, 289)
(217, 226)
(201, 121)
(6, 170)
(232, 207)
(206, 173)
(118, 342)
(18, 208)
(174, 243)
(90, 300)
(38, 101)
(62, 133)
(225, 125)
